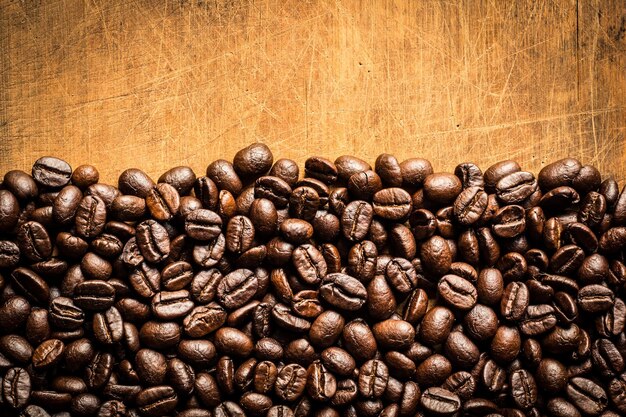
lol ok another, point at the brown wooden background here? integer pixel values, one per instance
(157, 83)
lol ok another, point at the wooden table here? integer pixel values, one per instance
(158, 83)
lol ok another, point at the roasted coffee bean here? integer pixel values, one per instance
(94, 295)
(457, 292)
(34, 242)
(356, 220)
(237, 288)
(343, 291)
(151, 367)
(436, 256)
(160, 335)
(436, 326)
(595, 298)
(401, 275)
(203, 320)
(168, 305)
(291, 382)
(470, 205)
(51, 172)
(16, 388)
(309, 263)
(439, 401)
(153, 241)
(321, 385)
(587, 396)
(157, 401)
(284, 317)
(373, 377)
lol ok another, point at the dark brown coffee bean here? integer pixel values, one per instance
(157, 401)
(321, 169)
(239, 234)
(462, 384)
(34, 242)
(439, 401)
(160, 335)
(373, 377)
(90, 217)
(94, 295)
(31, 285)
(321, 384)
(153, 241)
(16, 388)
(516, 187)
(203, 320)
(284, 317)
(170, 305)
(470, 175)
(233, 342)
(588, 396)
(326, 329)
(203, 224)
(51, 172)
(538, 320)
(457, 292)
(436, 326)
(381, 302)
(506, 344)
(210, 254)
(237, 288)
(356, 220)
(291, 382)
(469, 206)
(388, 168)
(414, 171)
(359, 340)
(98, 370)
(274, 189)
(461, 350)
(595, 298)
(343, 291)
(309, 263)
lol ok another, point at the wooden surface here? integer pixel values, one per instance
(158, 83)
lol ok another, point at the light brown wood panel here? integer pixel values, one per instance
(158, 83)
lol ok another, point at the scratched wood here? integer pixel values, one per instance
(153, 83)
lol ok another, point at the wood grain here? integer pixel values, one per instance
(154, 84)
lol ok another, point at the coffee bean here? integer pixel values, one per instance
(160, 335)
(16, 388)
(595, 298)
(203, 224)
(457, 292)
(168, 305)
(33, 241)
(394, 334)
(237, 288)
(414, 171)
(516, 187)
(439, 401)
(157, 401)
(373, 377)
(51, 172)
(436, 326)
(203, 320)
(343, 291)
(94, 295)
(153, 241)
(586, 395)
(90, 217)
(291, 382)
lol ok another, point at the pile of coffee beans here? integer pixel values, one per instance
(343, 290)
